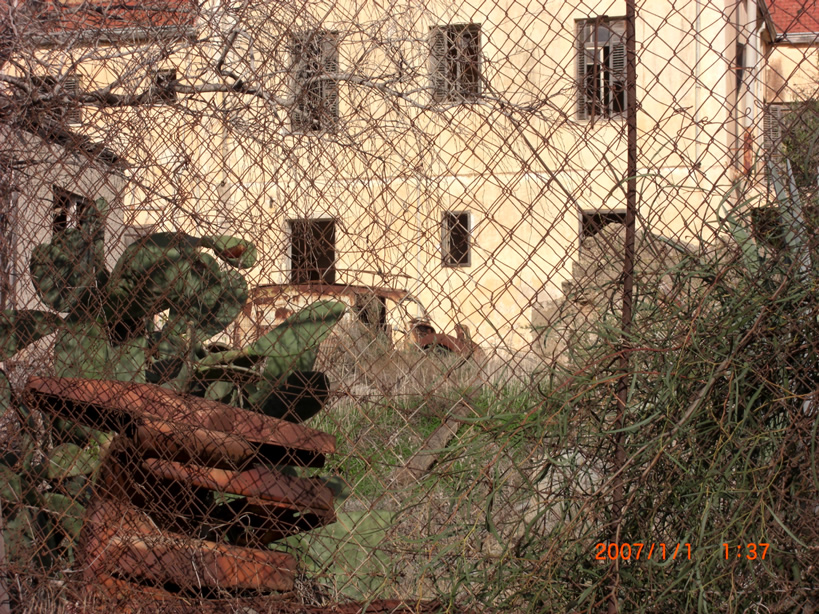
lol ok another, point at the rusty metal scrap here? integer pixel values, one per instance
(301, 494)
(181, 499)
(113, 405)
(186, 503)
(121, 541)
(271, 506)
(172, 441)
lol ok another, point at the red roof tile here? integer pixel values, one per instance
(73, 15)
(794, 16)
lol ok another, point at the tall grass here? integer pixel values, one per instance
(721, 448)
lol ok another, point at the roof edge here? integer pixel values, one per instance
(766, 16)
(799, 38)
(117, 35)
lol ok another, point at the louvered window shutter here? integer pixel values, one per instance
(329, 88)
(74, 112)
(298, 112)
(617, 103)
(772, 133)
(438, 63)
(582, 106)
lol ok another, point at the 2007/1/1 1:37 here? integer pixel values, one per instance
(752, 551)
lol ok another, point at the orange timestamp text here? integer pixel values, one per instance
(636, 550)
(751, 551)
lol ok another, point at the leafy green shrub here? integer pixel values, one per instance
(104, 330)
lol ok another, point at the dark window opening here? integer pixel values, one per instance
(163, 85)
(593, 222)
(312, 251)
(70, 210)
(314, 59)
(601, 68)
(456, 62)
(456, 239)
(739, 67)
(371, 310)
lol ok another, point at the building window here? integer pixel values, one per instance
(70, 210)
(739, 66)
(314, 61)
(601, 68)
(455, 62)
(371, 310)
(162, 86)
(773, 120)
(312, 251)
(456, 239)
(790, 132)
(592, 222)
(65, 108)
(72, 86)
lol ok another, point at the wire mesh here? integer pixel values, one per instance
(341, 306)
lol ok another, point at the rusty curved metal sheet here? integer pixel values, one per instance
(273, 505)
(307, 495)
(120, 541)
(113, 405)
(180, 442)
(183, 497)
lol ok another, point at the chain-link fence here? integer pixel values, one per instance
(393, 306)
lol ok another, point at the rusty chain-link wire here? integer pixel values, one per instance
(391, 306)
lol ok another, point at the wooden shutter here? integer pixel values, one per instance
(582, 106)
(617, 66)
(438, 63)
(329, 87)
(299, 120)
(73, 114)
(772, 120)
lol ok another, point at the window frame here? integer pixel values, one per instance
(779, 120)
(449, 75)
(313, 93)
(72, 214)
(446, 239)
(303, 275)
(612, 78)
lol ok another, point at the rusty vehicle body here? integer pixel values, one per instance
(397, 314)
